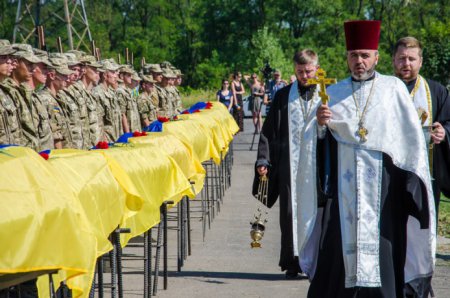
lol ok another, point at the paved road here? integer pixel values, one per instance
(224, 265)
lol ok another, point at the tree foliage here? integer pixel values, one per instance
(209, 39)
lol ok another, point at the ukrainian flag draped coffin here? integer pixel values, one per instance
(43, 224)
(57, 214)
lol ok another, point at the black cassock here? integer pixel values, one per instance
(440, 102)
(403, 194)
(273, 150)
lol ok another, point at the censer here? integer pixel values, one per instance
(258, 225)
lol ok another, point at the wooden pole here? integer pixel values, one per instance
(59, 45)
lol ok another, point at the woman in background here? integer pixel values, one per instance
(238, 89)
(256, 101)
(225, 95)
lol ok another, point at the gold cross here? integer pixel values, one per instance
(323, 81)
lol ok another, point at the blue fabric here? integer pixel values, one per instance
(45, 151)
(155, 126)
(7, 145)
(198, 106)
(124, 138)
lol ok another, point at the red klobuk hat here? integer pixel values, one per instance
(362, 35)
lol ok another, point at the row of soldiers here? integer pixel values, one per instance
(71, 100)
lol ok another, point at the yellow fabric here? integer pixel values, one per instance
(57, 214)
(43, 225)
(185, 158)
(101, 196)
(195, 136)
(155, 176)
(218, 123)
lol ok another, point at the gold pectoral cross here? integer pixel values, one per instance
(322, 81)
(362, 132)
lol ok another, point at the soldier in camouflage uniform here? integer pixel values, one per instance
(128, 100)
(57, 79)
(165, 93)
(106, 100)
(40, 108)
(10, 131)
(156, 72)
(90, 79)
(17, 89)
(176, 99)
(75, 92)
(147, 110)
(67, 99)
(177, 83)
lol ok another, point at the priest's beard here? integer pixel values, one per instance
(365, 75)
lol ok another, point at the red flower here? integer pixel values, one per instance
(44, 155)
(208, 105)
(163, 119)
(196, 111)
(139, 134)
(102, 145)
(185, 112)
(175, 117)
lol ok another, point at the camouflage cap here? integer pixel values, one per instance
(167, 73)
(60, 66)
(126, 69)
(79, 54)
(4, 42)
(6, 50)
(22, 47)
(152, 68)
(90, 60)
(165, 64)
(135, 76)
(25, 51)
(59, 56)
(72, 59)
(148, 79)
(109, 65)
(40, 53)
(177, 72)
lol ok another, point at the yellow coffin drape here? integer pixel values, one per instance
(184, 157)
(155, 176)
(57, 214)
(195, 136)
(43, 225)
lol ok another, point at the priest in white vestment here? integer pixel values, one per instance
(286, 153)
(374, 165)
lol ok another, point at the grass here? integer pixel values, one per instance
(444, 217)
(189, 97)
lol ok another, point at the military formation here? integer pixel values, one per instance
(72, 100)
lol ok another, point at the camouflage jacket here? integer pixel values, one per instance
(129, 107)
(59, 121)
(112, 119)
(10, 129)
(147, 110)
(21, 97)
(65, 99)
(42, 119)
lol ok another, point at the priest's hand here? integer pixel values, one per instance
(438, 133)
(262, 170)
(323, 115)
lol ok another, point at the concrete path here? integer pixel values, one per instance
(224, 265)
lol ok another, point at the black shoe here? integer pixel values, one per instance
(291, 274)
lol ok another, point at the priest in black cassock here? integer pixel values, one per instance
(432, 102)
(373, 166)
(287, 141)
